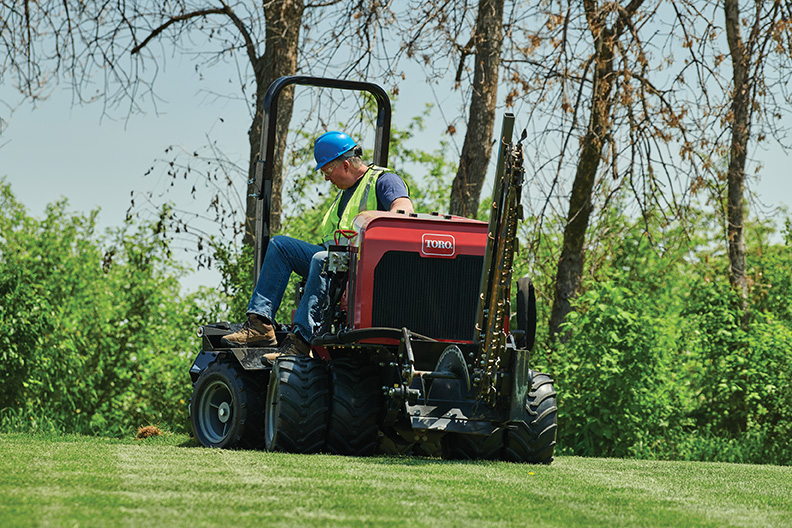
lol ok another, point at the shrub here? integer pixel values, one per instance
(741, 377)
(615, 394)
(93, 330)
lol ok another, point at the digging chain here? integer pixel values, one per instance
(494, 303)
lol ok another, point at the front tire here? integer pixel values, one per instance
(354, 409)
(226, 409)
(459, 446)
(297, 405)
(533, 438)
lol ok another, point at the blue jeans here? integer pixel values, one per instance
(286, 255)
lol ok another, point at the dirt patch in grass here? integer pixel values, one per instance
(148, 431)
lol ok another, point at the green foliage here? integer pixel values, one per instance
(94, 333)
(740, 372)
(663, 360)
(769, 272)
(768, 398)
(236, 270)
(703, 445)
(612, 375)
(429, 174)
(718, 344)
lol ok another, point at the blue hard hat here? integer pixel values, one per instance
(330, 145)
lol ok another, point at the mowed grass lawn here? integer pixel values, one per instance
(82, 481)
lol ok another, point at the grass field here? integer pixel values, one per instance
(81, 481)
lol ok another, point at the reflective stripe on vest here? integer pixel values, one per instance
(366, 200)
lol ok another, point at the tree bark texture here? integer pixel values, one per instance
(570, 263)
(740, 134)
(282, 37)
(476, 150)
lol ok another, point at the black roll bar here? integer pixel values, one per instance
(263, 181)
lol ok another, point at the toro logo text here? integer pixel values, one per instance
(438, 245)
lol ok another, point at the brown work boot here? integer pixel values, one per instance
(254, 333)
(292, 346)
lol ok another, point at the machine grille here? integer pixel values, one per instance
(435, 297)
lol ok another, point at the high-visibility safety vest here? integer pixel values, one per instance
(365, 196)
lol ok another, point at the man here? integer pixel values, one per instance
(362, 187)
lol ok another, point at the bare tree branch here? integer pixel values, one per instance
(174, 20)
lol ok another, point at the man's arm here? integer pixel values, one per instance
(401, 204)
(392, 190)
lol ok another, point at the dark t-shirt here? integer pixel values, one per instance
(389, 187)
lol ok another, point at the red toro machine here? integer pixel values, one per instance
(415, 353)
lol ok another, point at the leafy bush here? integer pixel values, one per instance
(664, 361)
(615, 392)
(769, 398)
(718, 344)
(770, 272)
(94, 332)
(741, 375)
(236, 269)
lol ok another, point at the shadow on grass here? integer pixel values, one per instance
(414, 460)
(190, 441)
(383, 459)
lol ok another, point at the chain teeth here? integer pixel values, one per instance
(498, 305)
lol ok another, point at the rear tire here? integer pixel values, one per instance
(354, 408)
(458, 446)
(297, 405)
(533, 438)
(227, 408)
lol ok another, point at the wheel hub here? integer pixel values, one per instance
(224, 412)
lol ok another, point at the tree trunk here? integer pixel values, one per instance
(570, 263)
(283, 20)
(740, 132)
(476, 150)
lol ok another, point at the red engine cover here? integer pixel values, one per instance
(408, 239)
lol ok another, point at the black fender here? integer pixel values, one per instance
(202, 361)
